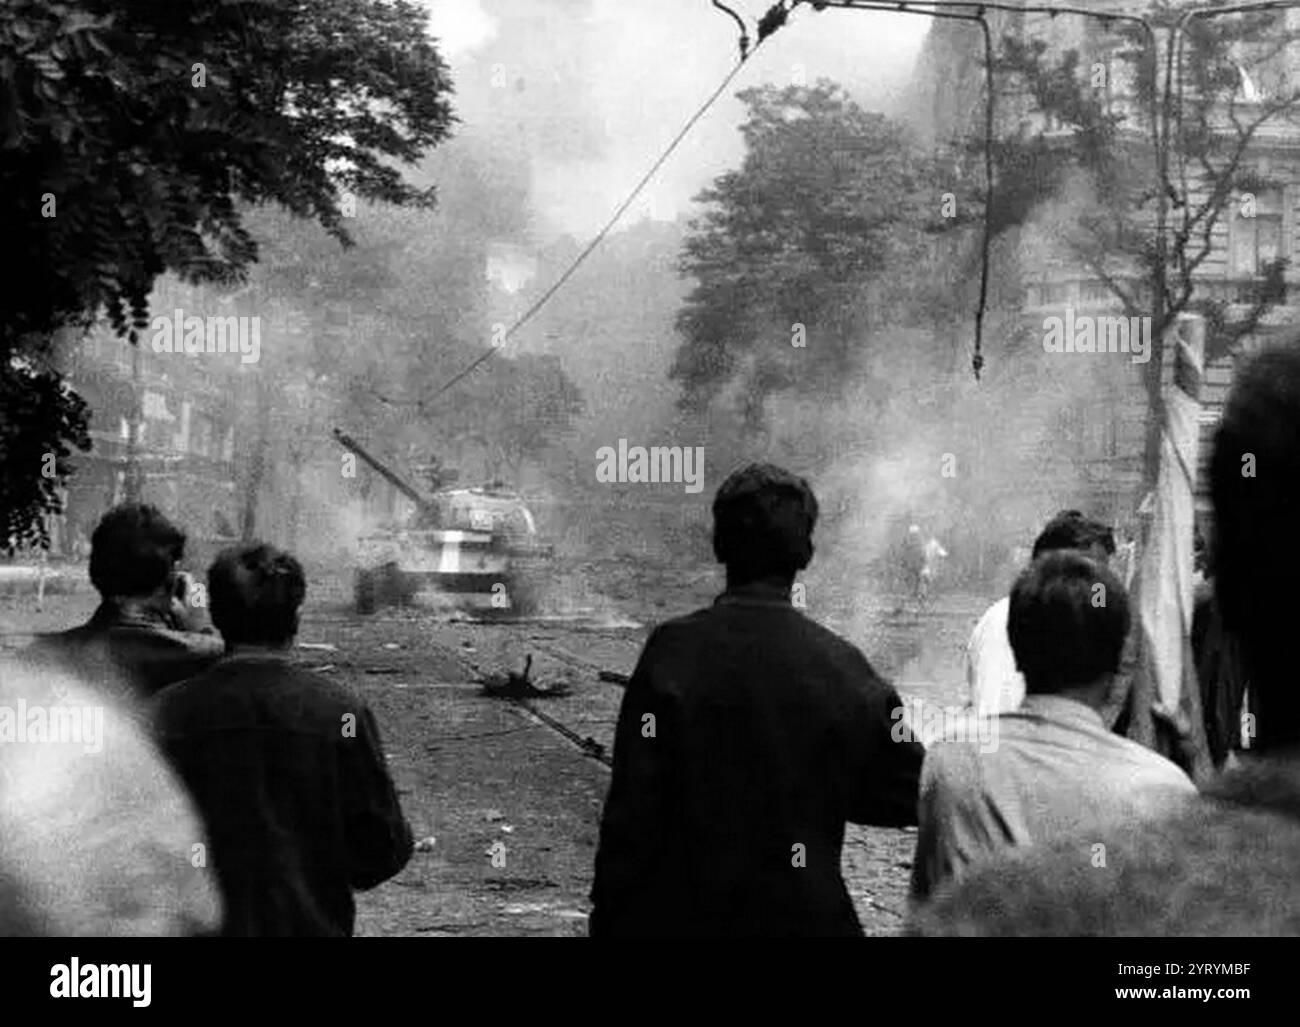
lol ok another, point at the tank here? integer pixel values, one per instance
(468, 548)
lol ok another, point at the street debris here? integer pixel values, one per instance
(511, 685)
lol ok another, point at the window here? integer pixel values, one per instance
(1257, 240)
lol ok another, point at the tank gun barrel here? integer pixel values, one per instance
(390, 476)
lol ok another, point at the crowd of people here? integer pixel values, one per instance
(243, 795)
(238, 793)
(749, 737)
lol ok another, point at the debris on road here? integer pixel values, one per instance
(426, 844)
(519, 686)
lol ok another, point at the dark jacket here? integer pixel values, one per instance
(747, 738)
(129, 647)
(1221, 864)
(287, 770)
(1221, 674)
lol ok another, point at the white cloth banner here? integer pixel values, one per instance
(1165, 578)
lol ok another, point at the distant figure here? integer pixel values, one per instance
(747, 737)
(147, 632)
(1224, 864)
(932, 553)
(97, 836)
(912, 561)
(1056, 768)
(285, 765)
(994, 685)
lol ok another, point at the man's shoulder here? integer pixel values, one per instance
(55, 645)
(952, 760)
(199, 644)
(215, 684)
(1146, 768)
(821, 648)
(782, 618)
(1208, 868)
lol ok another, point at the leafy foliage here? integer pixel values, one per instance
(132, 137)
(1098, 139)
(829, 198)
(40, 420)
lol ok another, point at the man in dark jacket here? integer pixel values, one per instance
(747, 738)
(1223, 863)
(285, 766)
(147, 632)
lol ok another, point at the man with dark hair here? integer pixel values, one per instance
(748, 736)
(1224, 863)
(286, 766)
(147, 631)
(994, 685)
(1055, 768)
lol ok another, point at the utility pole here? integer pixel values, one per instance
(133, 483)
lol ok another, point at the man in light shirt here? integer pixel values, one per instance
(993, 683)
(1056, 769)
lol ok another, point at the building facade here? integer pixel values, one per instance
(185, 409)
(1231, 254)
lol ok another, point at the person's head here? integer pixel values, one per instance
(763, 519)
(133, 551)
(254, 592)
(1255, 487)
(1068, 620)
(1070, 529)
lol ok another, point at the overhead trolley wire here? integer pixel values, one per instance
(770, 23)
(967, 10)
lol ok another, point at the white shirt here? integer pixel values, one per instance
(993, 684)
(1054, 771)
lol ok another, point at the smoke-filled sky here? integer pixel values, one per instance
(589, 92)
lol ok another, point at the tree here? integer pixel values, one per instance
(360, 338)
(1152, 144)
(830, 199)
(1147, 227)
(135, 136)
